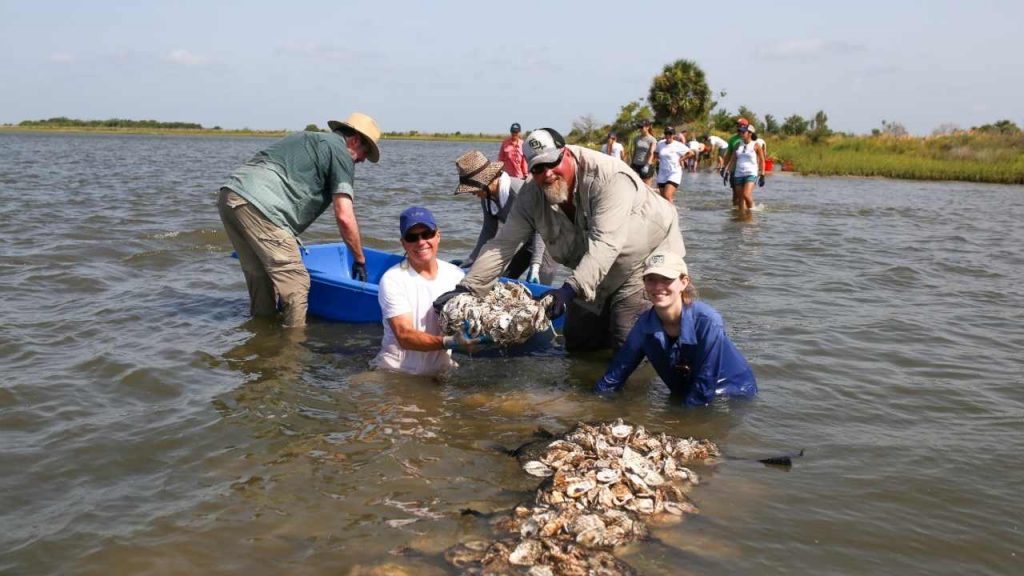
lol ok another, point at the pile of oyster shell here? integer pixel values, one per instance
(603, 483)
(508, 314)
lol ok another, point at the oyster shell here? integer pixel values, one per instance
(539, 469)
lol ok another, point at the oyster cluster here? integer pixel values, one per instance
(603, 483)
(508, 314)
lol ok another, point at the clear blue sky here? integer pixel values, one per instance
(478, 66)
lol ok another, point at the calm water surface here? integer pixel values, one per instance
(149, 426)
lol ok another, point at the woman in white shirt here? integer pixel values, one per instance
(670, 154)
(746, 167)
(614, 148)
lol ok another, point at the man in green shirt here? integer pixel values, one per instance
(268, 201)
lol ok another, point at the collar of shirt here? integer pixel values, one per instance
(687, 327)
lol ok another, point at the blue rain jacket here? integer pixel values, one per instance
(701, 364)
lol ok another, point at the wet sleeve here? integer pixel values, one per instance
(710, 343)
(609, 229)
(624, 363)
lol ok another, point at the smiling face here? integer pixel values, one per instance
(664, 292)
(420, 244)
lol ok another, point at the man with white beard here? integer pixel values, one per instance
(598, 218)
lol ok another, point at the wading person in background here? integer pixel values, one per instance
(747, 168)
(671, 154)
(716, 150)
(511, 153)
(613, 147)
(267, 202)
(733, 142)
(412, 341)
(497, 192)
(694, 159)
(643, 153)
(597, 218)
(683, 338)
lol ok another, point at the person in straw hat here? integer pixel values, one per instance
(497, 193)
(268, 201)
(683, 338)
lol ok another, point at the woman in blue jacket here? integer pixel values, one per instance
(684, 339)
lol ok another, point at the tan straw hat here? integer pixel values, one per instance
(476, 172)
(366, 127)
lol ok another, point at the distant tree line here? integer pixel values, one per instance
(680, 97)
(63, 121)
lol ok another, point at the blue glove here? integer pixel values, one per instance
(533, 273)
(760, 181)
(561, 297)
(464, 342)
(444, 298)
(359, 271)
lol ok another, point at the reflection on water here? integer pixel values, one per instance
(152, 427)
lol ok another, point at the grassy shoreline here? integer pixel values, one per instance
(966, 157)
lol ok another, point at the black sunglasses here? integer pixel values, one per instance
(545, 166)
(414, 237)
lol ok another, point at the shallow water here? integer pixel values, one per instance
(149, 426)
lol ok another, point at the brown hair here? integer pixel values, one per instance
(690, 293)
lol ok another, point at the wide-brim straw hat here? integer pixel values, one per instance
(476, 172)
(366, 127)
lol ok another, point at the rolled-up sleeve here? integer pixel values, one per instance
(624, 363)
(609, 230)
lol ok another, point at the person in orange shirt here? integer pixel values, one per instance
(511, 154)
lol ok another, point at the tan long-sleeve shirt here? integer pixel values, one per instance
(619, 222)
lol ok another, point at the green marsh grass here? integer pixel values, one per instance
(965, 156)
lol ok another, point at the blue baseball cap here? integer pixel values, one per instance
(416, 215)
(515, 127)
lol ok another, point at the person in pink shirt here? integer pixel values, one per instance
(511, 154)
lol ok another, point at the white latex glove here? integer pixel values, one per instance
(533, 273)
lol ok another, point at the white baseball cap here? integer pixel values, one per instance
(543, 146)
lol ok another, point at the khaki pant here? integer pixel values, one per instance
(270, 260)
(585, 330)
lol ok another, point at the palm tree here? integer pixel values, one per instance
(680, 94)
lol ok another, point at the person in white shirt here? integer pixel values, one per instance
(717, 148)
(412, 341)
(747, 168)
(614, 148)
(670, 153)
(697, 147)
